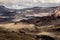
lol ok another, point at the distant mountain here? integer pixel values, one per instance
(36, 11)
(26, 13)
(3, 9)
(5, 14)
(29, 13)
(6, 11)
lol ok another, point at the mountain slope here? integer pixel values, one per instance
(26, 13)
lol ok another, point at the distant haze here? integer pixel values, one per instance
(19, 4)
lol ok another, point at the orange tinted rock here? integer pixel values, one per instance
(57, 13)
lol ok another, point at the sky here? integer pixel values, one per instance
(20, 4)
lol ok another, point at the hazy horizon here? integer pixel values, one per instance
(19, 4)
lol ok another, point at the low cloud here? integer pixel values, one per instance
(19, 4)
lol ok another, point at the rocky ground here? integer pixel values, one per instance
(30, 31)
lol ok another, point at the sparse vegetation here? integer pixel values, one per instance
(11, 35)
(5, 34)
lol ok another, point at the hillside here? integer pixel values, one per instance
(26, 13)
(37, 23)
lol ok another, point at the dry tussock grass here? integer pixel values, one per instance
(12, 26)
(8, 31)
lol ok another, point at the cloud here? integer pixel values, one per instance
(18, 4)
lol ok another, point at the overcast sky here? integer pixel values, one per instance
(19, 4)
